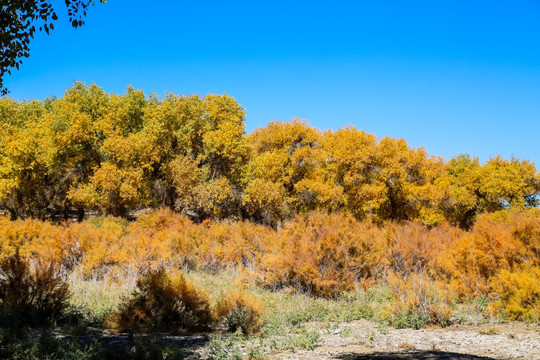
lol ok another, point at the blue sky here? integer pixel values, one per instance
(454, 77)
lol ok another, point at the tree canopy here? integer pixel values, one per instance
(115, 154)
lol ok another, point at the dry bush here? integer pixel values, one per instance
(518, 294)
(218, 245)
(60, 243)
(31, 295)
(25, 235)
(109, 246)
(163, 302)
(323, 254)
(239, 243)
(161, 219)
(239, 311)
(159, 238)
(525, 227)
(418, 301)
(94, 244)
(414, 248)
(164, 238)
(517, 287)
(98, 245)
(471, 259)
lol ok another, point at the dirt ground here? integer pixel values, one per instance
(363, 340)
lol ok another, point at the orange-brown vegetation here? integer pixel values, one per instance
(239, 311)
(324, 254)
(418, 301)
(163, 302)
(291, 206)
(31, 295)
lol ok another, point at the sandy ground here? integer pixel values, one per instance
(362, 340)
(365, 340)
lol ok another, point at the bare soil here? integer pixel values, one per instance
(363, 340)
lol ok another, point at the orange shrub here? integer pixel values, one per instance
(163, 302)
(323, 254)
(20, 234)
(101, 245)
(31, 296)
(413, 247)
(37, 239)
(158, 238)
(239, 243)
(418, 301)
(473, 258)
(525, 227)
(239, 311)
(176, 240)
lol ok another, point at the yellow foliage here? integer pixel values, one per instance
(385, 178)
(267, 200)
(518, 293)
(119, 154)
(288, 173)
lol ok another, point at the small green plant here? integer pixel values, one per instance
(370, 339)
(417, 303)
(347, 332)
(471, 311)
(223, 348)
(309, 340)
(256, 352)
(45, 345)
(383, 328)
(409, 320)
(155, 348)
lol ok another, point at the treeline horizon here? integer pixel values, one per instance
(115, 154)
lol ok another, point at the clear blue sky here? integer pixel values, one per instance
(452, 76)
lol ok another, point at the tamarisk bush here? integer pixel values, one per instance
(31, 295)
(163, 302)
(239, 311)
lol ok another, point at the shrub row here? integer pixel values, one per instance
(323, 254)
(37, 296)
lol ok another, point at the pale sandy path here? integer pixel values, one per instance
(363, 340)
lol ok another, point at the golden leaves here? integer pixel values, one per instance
(119, 153)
